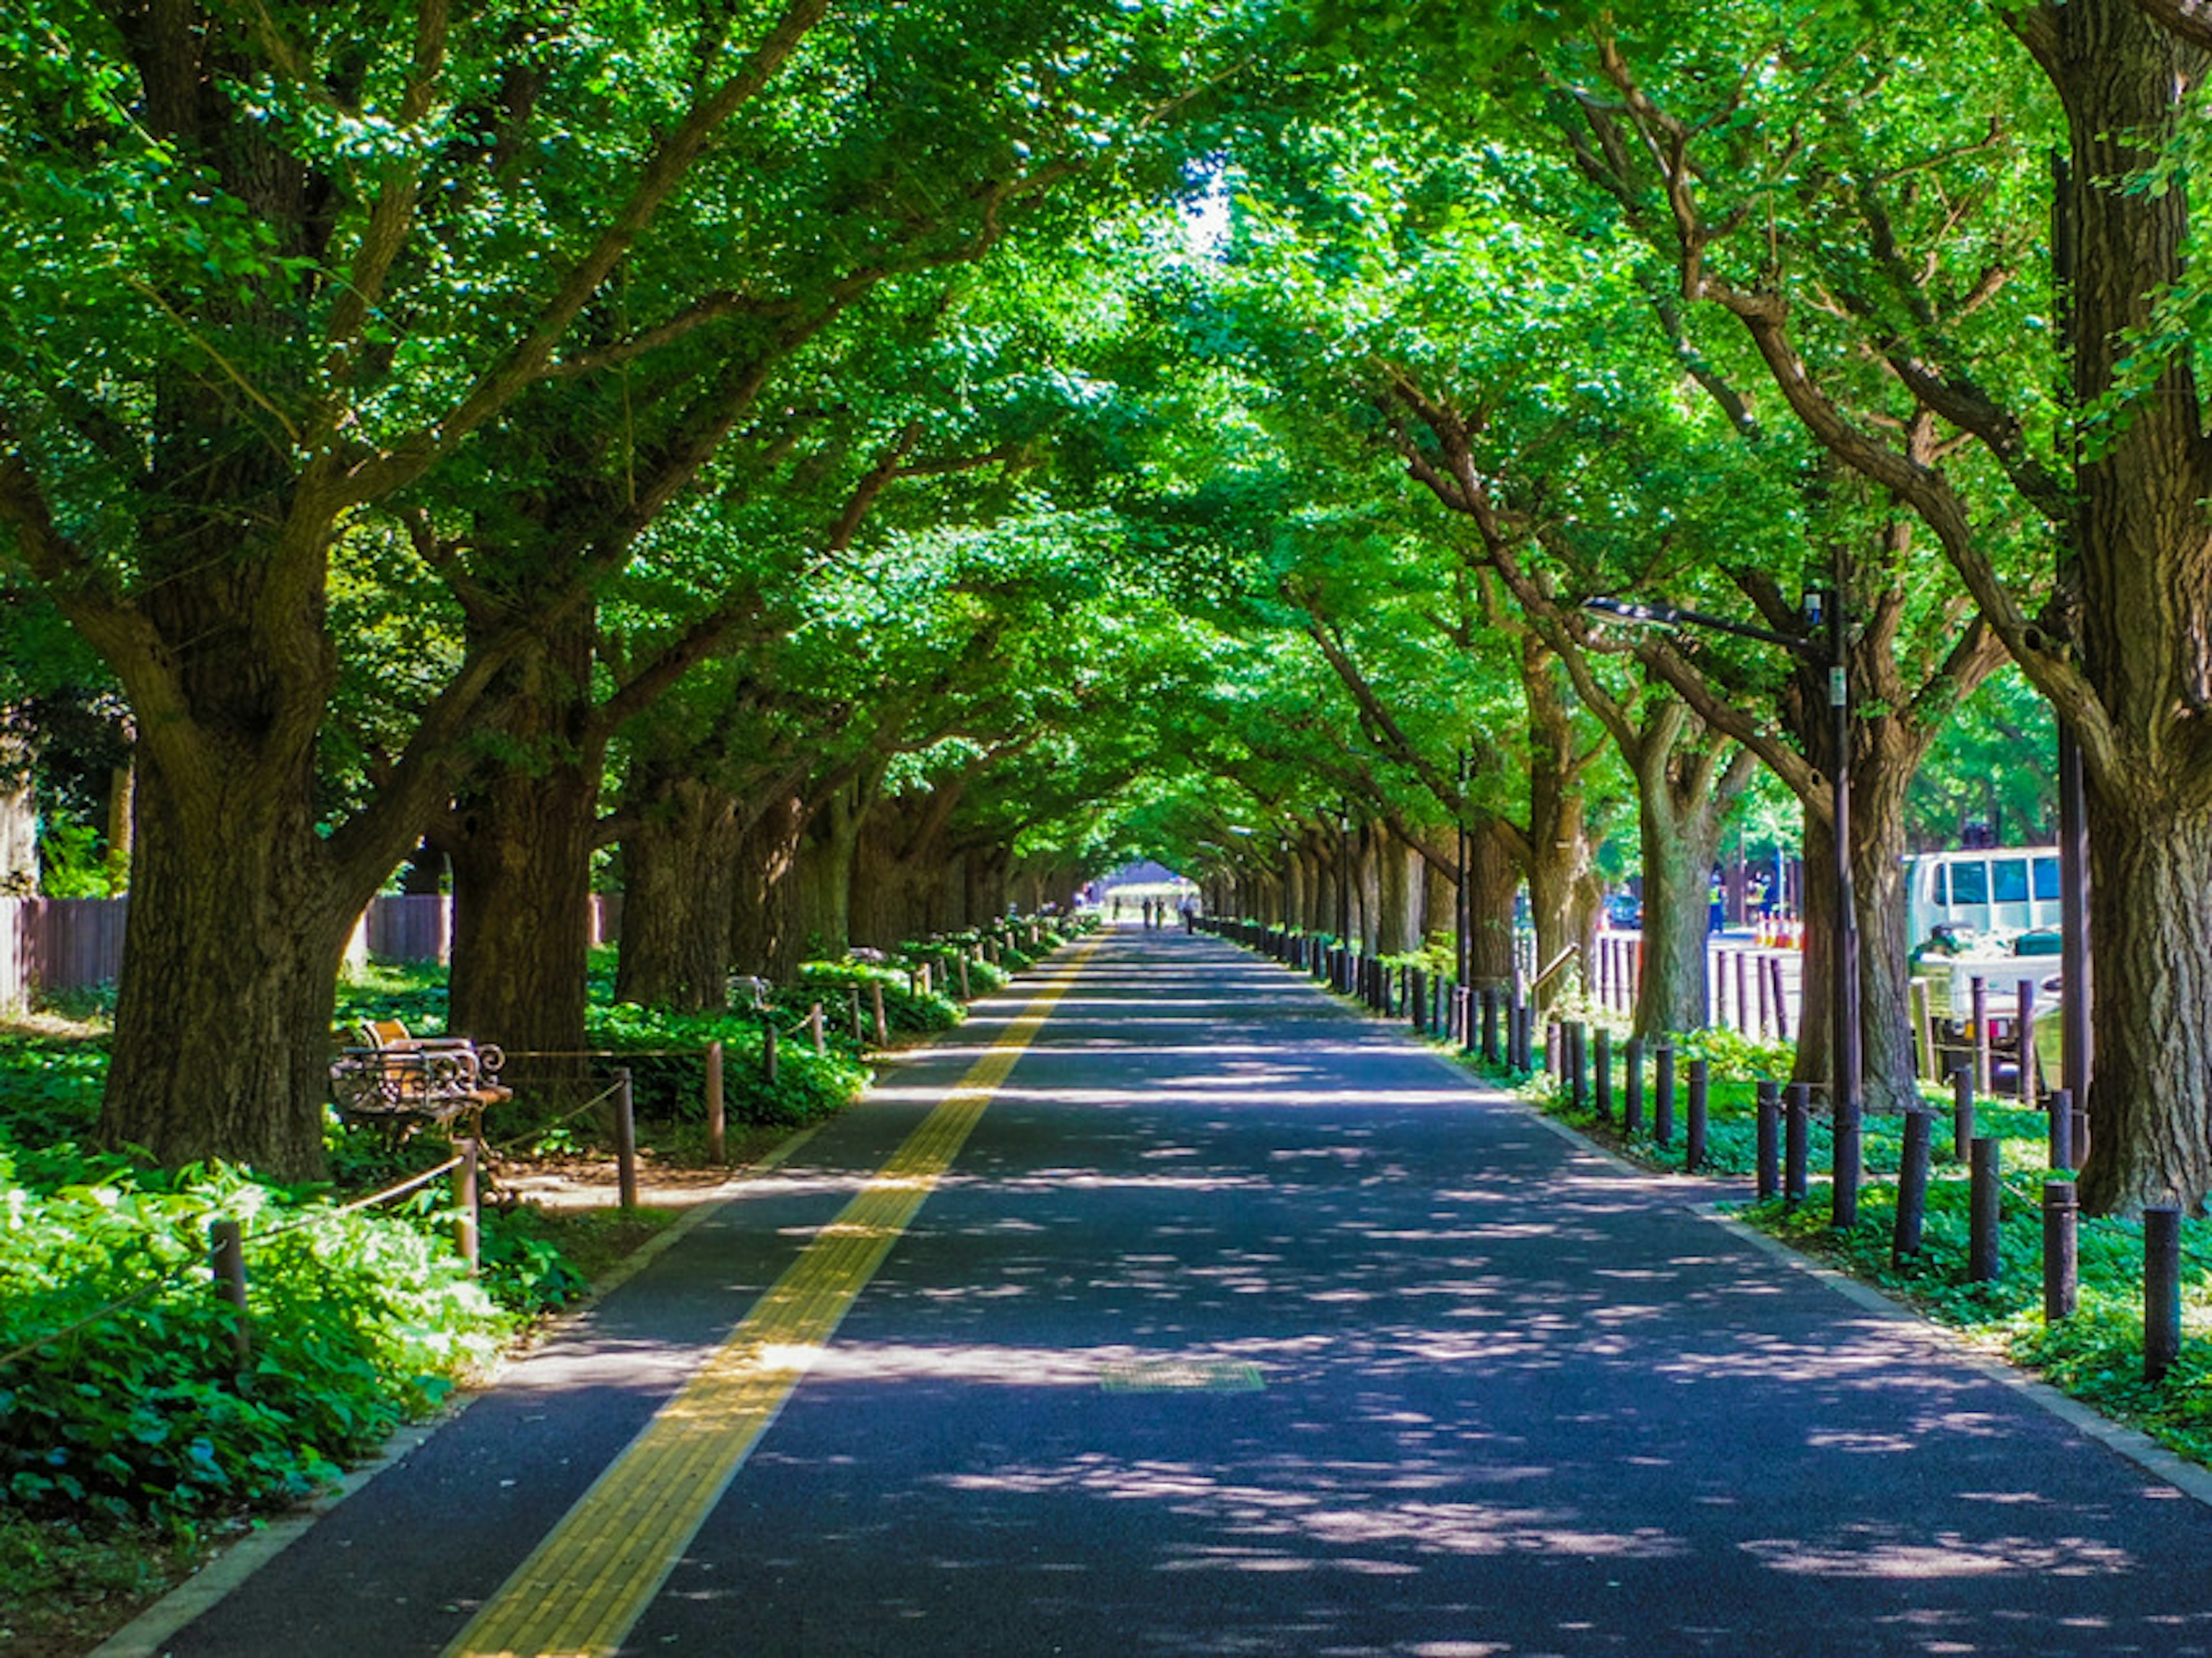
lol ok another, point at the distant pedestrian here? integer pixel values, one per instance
(1189, 915)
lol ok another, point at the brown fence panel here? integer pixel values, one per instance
(74, 943)
(410, 927)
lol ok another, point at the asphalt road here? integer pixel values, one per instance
(1240, 1325)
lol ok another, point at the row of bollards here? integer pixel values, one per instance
(1584, 1065)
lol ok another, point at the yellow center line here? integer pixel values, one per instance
(583, 1587)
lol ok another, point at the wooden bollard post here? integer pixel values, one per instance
(1985, 1210)
(227, 1250)
(1981, 1017)
(1742, 1000)
(2061, 1129)
(1769, 1140)
(1578, 1064)
(1797, 1144)
(1846, 1160)
(966, 994)
(2024, 1038)
(1924, 1028)
(468, 1211)
(1662, 1094)
(1766, 997)
(1632, 1098)
(927, 988)
(852, 996)
(1962, 1112)
(1693, 1145)
(2162, 1227)
(1604, 1095)
(1781, 1002)
(883, 1024)
(814, 1021)
(625, 1139)
(768, 1039)
(1911, 1186)
(718, 1115)
(2062, 1251)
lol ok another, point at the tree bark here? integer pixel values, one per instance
(1496, 879)
(2144, 546)
(521, 844)
(1557, 851)
(230, 979)
(679, 882)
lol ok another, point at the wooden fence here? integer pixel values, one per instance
(76, 943)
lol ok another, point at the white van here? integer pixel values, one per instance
(1999, 889)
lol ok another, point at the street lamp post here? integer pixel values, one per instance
(1463, 904)
(1829, 652)
(1344, 875)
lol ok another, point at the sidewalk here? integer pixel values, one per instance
(1239, 1324)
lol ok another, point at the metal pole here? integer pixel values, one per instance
(1344, 877)
(1463, 905)
(1850, 1081)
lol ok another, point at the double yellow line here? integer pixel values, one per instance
(596, 1572)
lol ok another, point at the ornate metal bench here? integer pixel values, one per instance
(399, 1082)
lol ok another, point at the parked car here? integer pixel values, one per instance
(1624, 909)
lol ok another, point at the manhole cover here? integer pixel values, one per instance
(1180, 1376)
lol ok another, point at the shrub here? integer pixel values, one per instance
(359, 1320)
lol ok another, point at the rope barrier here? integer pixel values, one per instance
(599, 1098)
(152, 1285)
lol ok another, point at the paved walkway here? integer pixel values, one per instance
(1235, 1324)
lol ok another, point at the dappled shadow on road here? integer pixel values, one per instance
(1279, 1340)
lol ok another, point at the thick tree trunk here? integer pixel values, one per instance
(1297, 906)
(825, 873)
(1439, 909)
(1678, 866)
(765, 918)
(521, 844)
(1888, 1056)
(679, 882)
(230, 964)
(2144, 542)
(2150, 1136)
(1496, 880)
(1684, 793)
(522, 884)
(1395, 932)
